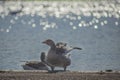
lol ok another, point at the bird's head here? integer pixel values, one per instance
(48, 42)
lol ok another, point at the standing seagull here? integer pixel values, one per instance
(54, 58)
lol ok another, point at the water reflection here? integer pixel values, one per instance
(70, 11)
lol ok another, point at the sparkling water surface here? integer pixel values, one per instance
(93, 26)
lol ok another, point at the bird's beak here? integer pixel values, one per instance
(44, 42)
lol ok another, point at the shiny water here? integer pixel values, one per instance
(98, 33)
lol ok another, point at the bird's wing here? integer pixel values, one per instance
(77, 48)
(68, 49)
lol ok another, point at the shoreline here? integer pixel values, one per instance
(57, 75)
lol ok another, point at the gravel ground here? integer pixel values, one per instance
(44, 75)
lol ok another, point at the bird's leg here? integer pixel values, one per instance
(52, 68)
(65, 68)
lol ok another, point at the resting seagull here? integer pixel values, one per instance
(34, 65)
(55, 57)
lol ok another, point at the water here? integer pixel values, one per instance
(93, 26)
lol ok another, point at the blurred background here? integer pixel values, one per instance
(93, 25)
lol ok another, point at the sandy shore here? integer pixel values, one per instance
(68, 75)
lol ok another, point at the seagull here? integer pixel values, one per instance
(55, 57)
(34, 65)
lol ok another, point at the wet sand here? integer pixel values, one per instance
(68, 75)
